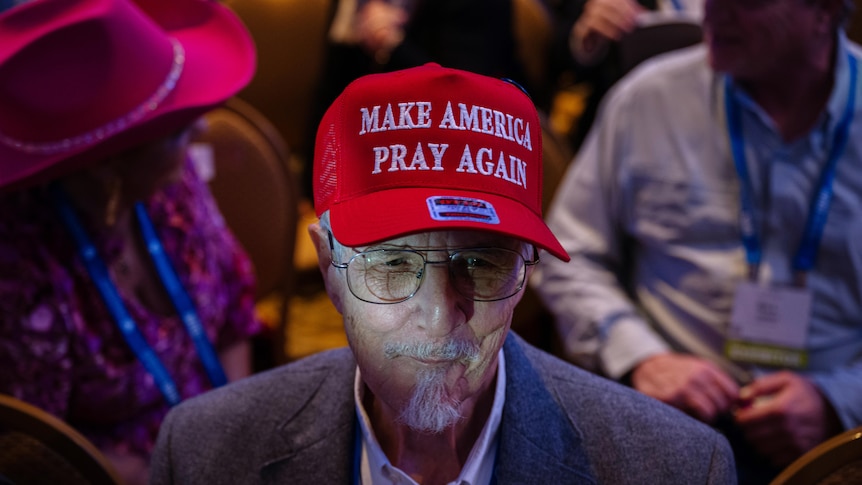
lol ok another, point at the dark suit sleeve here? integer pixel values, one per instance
(722, 468)
(160, 464)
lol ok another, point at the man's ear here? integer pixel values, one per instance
(320, 239)
(332, 281)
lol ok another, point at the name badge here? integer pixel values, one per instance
(769, 325)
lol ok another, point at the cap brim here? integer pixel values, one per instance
(393, 213)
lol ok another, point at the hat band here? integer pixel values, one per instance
(113, 127)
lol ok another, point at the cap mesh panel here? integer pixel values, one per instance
(328, 171)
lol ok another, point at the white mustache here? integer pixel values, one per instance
(451, 350)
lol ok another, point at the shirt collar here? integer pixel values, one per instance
(841, 90)
(479, 468)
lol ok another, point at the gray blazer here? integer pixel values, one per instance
(560, 424)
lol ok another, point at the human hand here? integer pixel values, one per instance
(694, 385)
(380, 27)
(601, 22)
(784, 415)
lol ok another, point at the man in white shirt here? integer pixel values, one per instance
(753, 324)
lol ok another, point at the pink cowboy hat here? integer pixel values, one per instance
(82, 80)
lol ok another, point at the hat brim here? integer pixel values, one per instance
(219, 61)
(370, 219)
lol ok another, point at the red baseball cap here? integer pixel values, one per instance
(428, 149)
(82, 80)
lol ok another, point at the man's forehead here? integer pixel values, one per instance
(450, 239)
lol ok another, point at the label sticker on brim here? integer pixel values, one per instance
(454, 208)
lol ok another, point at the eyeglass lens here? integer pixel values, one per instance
(392, 276)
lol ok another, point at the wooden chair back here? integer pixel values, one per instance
(837, 460)
(650, 40)
(257, 193)
(39, 448)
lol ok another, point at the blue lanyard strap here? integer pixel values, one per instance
(677, 5)
(806, 254)
(747, 218)
(181, 300)
(101, 278)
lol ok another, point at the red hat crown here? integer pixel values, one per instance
(431, 148)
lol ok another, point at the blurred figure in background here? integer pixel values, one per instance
(121, 290)
(585, 49)
(714, 223)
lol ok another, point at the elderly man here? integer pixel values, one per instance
(714, 220)
(428, 188)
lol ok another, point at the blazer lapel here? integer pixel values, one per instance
(314, 443)
(539, 443)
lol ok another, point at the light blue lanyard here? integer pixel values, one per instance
(677, 5)
(180, 298)
(806, 254)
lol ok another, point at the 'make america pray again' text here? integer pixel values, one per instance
(429, 156)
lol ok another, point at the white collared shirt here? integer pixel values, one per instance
(376, 469)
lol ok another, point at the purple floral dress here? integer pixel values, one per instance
(59, 346)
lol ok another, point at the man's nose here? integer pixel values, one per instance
(443, 308)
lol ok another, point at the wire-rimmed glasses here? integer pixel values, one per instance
(387, 276)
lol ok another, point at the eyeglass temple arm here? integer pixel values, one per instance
(332, 251)
(535, 259)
